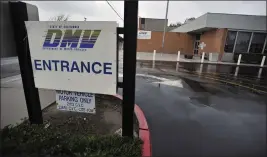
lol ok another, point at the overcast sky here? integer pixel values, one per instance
(178, 10)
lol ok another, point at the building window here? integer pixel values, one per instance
(142, 24)
(242, 42)
(265, 50)
(196, 47)
(197, 37)
(245, 42)
(142, 20)
(257, 43)
(230, 41)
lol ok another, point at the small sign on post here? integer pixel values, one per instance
(202, 45)
(75, 101)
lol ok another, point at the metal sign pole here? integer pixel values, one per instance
(129, 65)
(19, 15)
(165, 25)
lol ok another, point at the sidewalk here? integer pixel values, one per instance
(173, 58)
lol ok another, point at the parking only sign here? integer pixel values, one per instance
(75, 101)
(74, 56)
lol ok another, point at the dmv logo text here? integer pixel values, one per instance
(69, 39)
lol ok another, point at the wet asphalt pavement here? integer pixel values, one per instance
(189, 115)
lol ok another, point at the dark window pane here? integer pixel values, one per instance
(197, 36)
(230, 41)
(142, 20)
(142, 27)
(257, 43)
(196, 44)
(242, 42)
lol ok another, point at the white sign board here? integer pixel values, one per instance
(202, 45)
(144, 35)
(74, 56)
(75, 101)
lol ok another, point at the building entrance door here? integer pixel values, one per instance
(196, 47)
(196, 43)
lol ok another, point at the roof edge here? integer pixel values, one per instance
(236, 14)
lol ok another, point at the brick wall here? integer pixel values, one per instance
(214, 40)
(184, 42)
(173, 42)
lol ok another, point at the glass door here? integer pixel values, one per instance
(196, 43)
(196, 47)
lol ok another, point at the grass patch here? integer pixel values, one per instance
(40, 140)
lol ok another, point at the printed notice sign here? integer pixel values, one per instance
(75, 101)
(144, 34)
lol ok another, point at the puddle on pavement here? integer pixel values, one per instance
(157, 79)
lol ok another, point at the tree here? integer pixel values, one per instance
(60, 17)
(177, 24)
(189, 19)
(173, 26)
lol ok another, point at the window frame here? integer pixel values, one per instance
(143, 21)
(250, 40)
(264, 45)
(234, 41)
(264, 42)
(236, 36)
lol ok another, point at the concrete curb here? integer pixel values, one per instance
(144, 133)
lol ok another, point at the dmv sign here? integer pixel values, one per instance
(71, 38)
(74, 56)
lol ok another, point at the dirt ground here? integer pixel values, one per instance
(106, 120)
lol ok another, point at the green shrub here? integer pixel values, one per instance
(36, 140)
